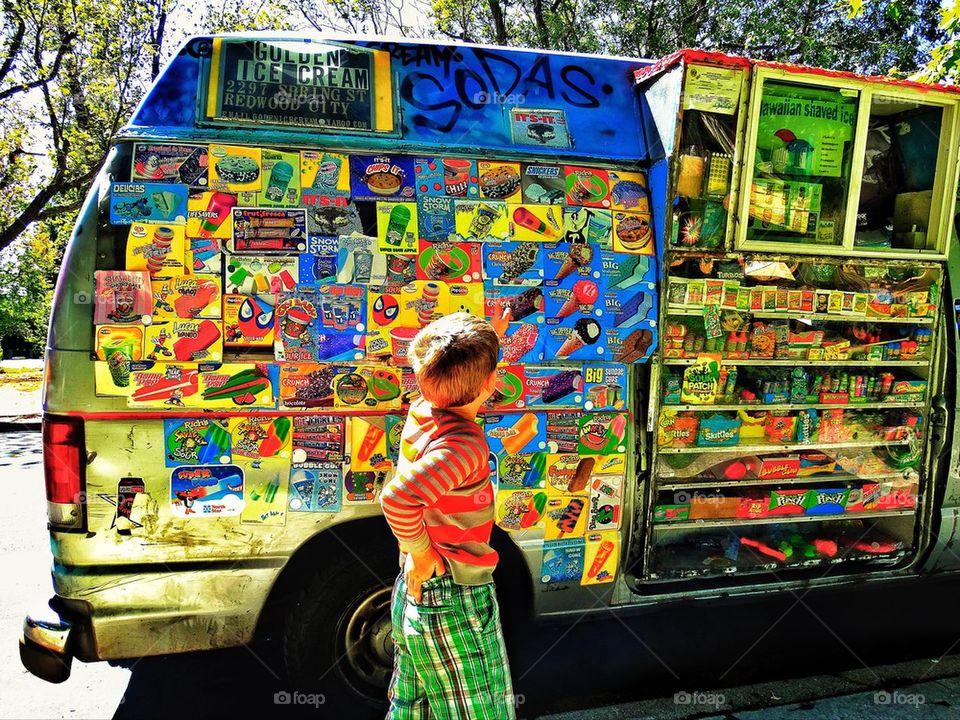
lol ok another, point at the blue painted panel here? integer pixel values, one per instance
(453, 96)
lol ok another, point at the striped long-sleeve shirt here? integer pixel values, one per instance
(441, 493)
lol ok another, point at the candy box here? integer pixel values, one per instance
(778, 468)
(235, 169)
(780, 428)
(397, 227)
(588, 225)
(554, 386)
(367, 388)
(148, 202)
(122, 296)
(671, 390)
(158, 249)
(184, 341)
(676, 430)
(248, 321)
(513, 263)
(510, 392)
(318, 438)
(315, 487)
(601, 557)
(542, 184)
(449, 262)
(382, 177)
(168, 163)
(260, 274)
(713, 506)
(812, 463)
(604, 387)
(671, 513)
(308, 384)
(755, 506)
(718, 431)
(186, 297)
(195, 441)
(520, 509)
(806, 426)
(535, 223)
(787, 502)
(436, 218)
(239, 385)
(830, 501)
(603, 433)
(281, 184)
(701, 381)
(324, 174)
(163, 385)
(269, 230)
(481, 221)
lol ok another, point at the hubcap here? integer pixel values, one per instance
(368, 641)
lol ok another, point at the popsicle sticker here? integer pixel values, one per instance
(195, 441)
(562, 560)
(536, 223)
(261, 437)
(565, 517)
(520, 509)
(600, 558)
(206, 491)
(603, 433)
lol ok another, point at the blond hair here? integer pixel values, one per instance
(453, 357)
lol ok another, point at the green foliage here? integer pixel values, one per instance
(26, 284)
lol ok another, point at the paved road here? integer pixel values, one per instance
(845, 637)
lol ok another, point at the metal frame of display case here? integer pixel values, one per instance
(942, 206)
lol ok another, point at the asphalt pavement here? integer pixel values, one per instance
(883, 653)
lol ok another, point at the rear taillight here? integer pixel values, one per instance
(64, 472)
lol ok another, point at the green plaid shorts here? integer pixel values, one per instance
(450, 661)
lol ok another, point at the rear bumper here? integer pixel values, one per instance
(45, 646)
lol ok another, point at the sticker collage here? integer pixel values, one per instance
(267, 280)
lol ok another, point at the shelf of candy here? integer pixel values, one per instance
(803, 467)
(709, 385)
(757, 506)
(761, 430)
(771, 548)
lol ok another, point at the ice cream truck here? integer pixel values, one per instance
(727, 372)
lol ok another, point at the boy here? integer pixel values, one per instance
(449, 660)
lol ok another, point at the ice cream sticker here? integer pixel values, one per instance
(206, 491)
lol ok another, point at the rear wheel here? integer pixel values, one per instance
(336, 637)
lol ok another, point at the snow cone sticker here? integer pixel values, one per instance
(296, 328)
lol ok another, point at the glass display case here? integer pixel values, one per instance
(793, 401)
(840, 166)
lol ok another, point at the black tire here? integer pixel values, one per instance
(336, 636)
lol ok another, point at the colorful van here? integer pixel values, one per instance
(728, 372)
